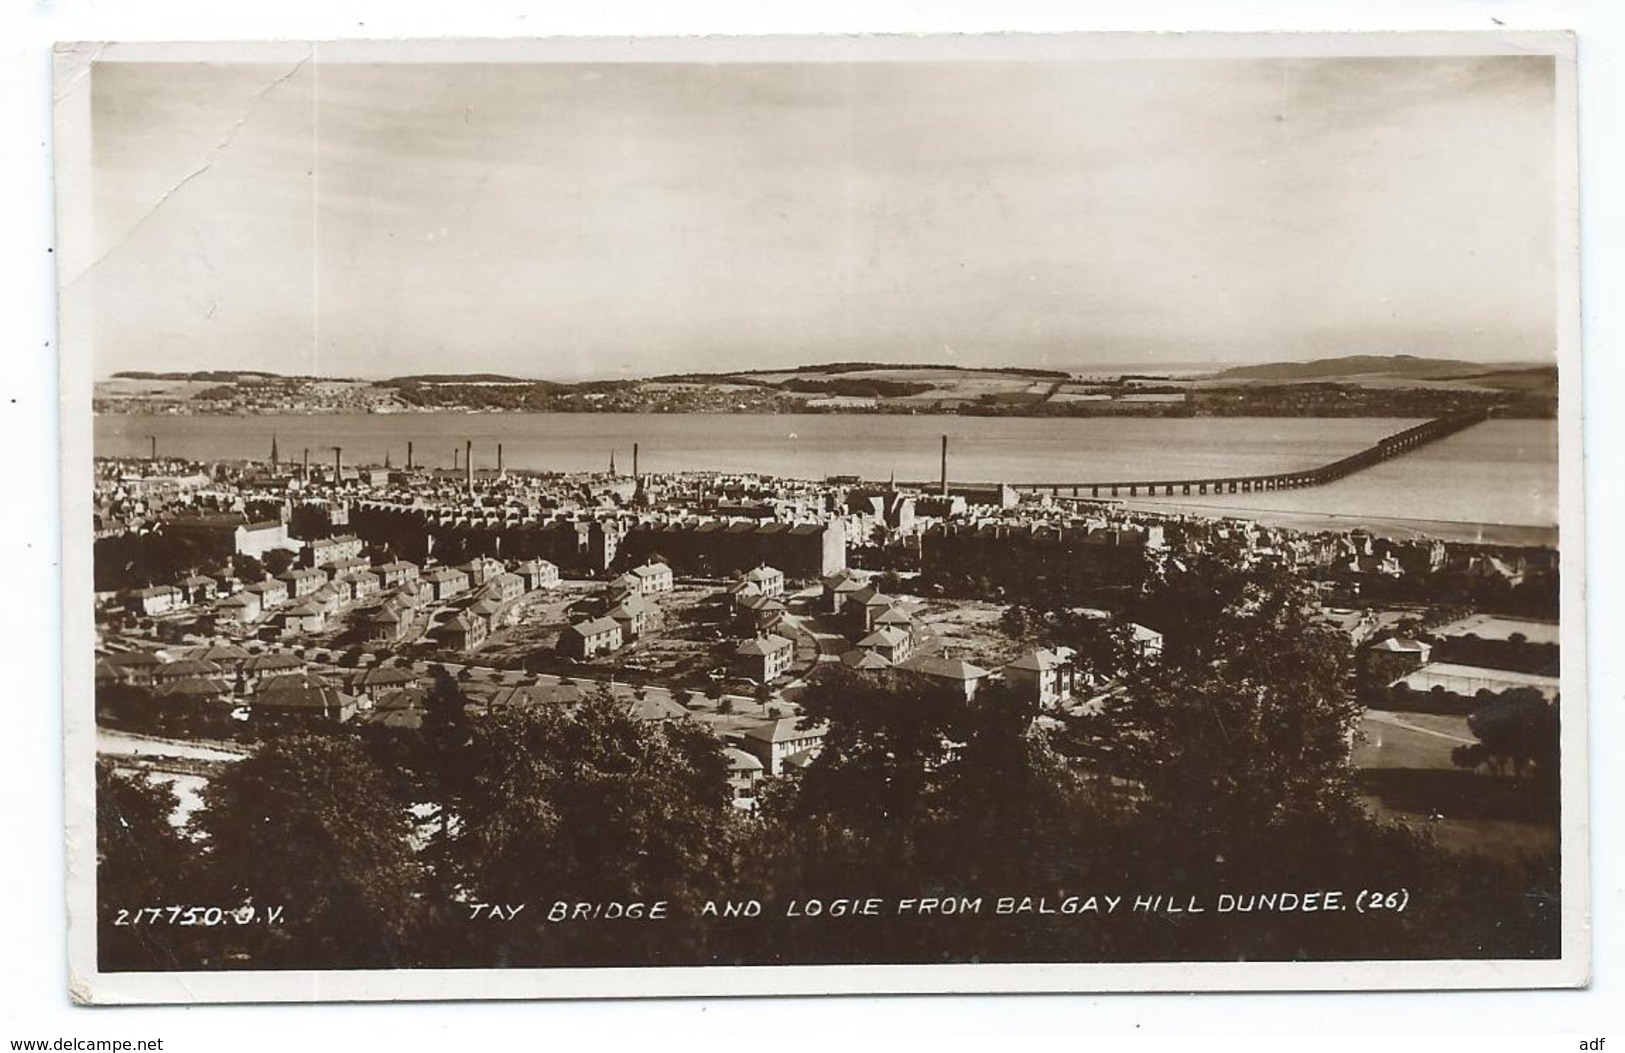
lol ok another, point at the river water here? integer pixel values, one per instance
(1495, 481)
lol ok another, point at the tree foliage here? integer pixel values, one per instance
(446, 761)
(308, 823)
(132, 561)
(278, 561)
(1518, 730)
(587, 803)
(142, 859)
(587, 800)
(1250, 731)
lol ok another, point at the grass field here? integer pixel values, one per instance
(1405, 772)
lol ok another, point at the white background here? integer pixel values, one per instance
(33, 1000)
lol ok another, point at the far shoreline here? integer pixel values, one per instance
(1513, 535)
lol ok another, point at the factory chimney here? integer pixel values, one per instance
(501, 473)
(468, 461)
(409, 455)
(152, 446)
(338, 464)
(945, 466)
(635, 461)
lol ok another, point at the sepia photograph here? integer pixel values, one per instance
(612, 517)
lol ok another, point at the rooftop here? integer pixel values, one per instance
(943, 668)
(772, 643)
(785, 729)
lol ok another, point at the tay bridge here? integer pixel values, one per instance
(1392, 446)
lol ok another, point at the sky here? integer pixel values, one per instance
(601, 219)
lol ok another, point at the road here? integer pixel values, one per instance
(113, 743)
(1384, 717)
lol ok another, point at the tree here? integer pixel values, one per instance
(129, 561)
(1189, 600)
(1103, 648)
(126, 705)
(1250, 732)
(1517, 729)
(587, 802)
(277, 561)
(247, 568)
(308, 824)
(1020, 621)
(886, 741)
(446, 738)
(889, 582)
(142, 860)
(922, 791)
(1006, 789)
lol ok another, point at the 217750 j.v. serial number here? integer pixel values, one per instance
(194, 915)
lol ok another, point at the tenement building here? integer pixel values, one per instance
(1027, 554)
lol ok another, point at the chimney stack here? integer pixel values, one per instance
(634, 460)
(152, 446)
(501, 473)
(455, 462)
(468, 461)
(338, 464)
(409, 455)
(304, 466)
(945, 466)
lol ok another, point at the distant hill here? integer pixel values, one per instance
(1411, 366)
(212, 376)
(1532, 378)
(457, 378)
(861, 367)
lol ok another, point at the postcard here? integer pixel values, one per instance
(782, 515)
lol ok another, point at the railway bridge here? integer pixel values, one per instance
(1392, 446)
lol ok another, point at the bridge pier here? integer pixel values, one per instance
(1168, 491)
(1186, 489)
